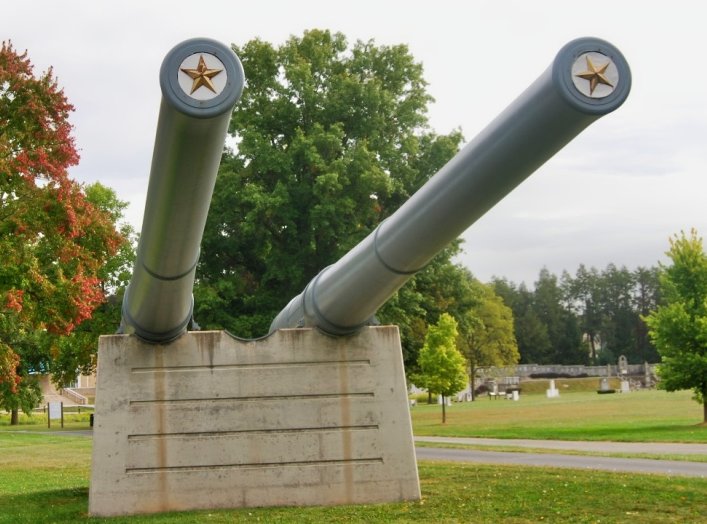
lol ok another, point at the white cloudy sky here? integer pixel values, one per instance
(615, 194)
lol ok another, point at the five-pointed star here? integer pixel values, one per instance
(595, 75)
(202, 76)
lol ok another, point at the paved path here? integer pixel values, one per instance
(664, 467)
(661, 448)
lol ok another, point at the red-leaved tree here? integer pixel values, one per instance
(53, 241)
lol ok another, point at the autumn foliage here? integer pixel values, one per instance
(52, 240)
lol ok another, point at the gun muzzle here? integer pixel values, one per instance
(201, 81)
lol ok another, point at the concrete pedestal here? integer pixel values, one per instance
(209, 421)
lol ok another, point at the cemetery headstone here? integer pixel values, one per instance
(552, 392)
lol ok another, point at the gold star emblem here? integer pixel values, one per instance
(202, 76)
(595, 75)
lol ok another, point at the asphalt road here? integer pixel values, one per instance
(559, 460)
(662, 448)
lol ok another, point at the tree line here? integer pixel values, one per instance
(591, 317)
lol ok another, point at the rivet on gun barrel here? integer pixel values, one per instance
(587, 79)
(201, 81)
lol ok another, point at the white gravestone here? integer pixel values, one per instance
(553, 392)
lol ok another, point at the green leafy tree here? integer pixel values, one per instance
(331, 139)
(20, 390)
(489, 338)
(442, 366)
(442, 287)
(115, 273)
(53, 240)
(679, 327)
(646, 298)
(76, 352)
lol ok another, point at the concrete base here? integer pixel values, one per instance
(209, 421)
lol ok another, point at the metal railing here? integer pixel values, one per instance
(78, 398)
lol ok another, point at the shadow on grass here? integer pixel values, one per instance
(61, 505)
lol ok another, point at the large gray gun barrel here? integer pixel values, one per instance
(201, 80)
(587, 79)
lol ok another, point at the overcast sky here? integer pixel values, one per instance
(615, 194)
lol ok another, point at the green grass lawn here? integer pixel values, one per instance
(38, 422)
(640, 416)
(44, 478)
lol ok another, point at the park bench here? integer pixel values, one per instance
(495, 394)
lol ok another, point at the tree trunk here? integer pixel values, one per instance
(593, 350)
(704, 408)
(444, 410)
(429, 397)
(472, 387)
(15, 417)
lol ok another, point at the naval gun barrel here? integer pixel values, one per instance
(587, 79)
(201, 80)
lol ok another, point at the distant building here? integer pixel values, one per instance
(81, 392)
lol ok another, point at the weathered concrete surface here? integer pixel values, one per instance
(209, 421)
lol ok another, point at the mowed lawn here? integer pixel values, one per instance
(44, 477)
(640, 416)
